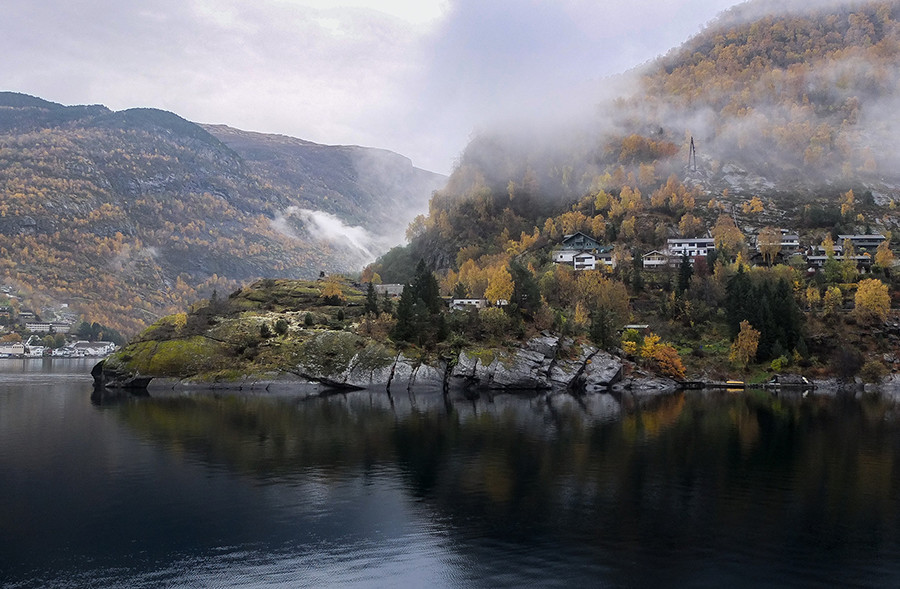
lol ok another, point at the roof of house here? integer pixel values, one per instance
(690, 239)
(89, 345)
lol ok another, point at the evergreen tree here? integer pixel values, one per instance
(738, 300)
(387, 305)
(404, 328)
(526, 292)
(685, 272)
(426, 289)
(419, 309)
(371, 300)
(637, 279)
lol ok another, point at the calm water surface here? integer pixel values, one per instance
(704, 489)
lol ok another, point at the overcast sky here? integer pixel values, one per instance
(417, 76)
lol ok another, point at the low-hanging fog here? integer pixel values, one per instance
(797, 98)
(416, 78)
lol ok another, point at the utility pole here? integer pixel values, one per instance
(692, 156)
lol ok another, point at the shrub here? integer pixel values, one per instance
(281, 327)
(873, 371)
(779, 363)
(495, 321)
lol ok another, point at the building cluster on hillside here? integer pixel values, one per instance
(582, 252)
(33, 348)
(25, 333)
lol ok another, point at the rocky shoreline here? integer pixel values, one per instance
(543, 363)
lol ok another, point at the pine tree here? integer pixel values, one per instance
(685, 273)
(526, 293)
(371, 300)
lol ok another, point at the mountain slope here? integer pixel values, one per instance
(797, 106)
(362, 186)
(130, 214)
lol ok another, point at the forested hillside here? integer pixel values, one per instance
(791, 119)
(127, 215)
(794, 109)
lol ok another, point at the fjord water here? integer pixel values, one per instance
(361, 489)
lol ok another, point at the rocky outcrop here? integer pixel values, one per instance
(545, 362)
(648, 384)
(110, 377)
(344, 360)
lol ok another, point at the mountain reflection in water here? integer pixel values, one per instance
(360, 489)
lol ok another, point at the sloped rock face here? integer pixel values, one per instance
(528, 369)
(565, 371)
(601, 371)
(542, 363)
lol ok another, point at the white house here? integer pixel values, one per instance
(585, 261)
(691, 247)
(565, 256)
(606, 256)
(12, 349)
(87, 348)
(392, 290)
(47, 327)
(654, 260)
(462, 304)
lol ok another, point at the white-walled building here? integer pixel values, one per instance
(689, 246)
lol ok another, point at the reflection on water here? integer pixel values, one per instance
(361, 489)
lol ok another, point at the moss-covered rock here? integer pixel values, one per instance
(328, 354)
(176, 357)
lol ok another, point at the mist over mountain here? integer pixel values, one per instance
(787, 102)
(127, 215)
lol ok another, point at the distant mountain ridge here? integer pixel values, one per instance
(128, 215)
(345, 180)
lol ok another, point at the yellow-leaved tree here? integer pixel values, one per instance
(833, 300)
(813, 297)
(743, 350)
(500, 285)
(884, 257)
(332, 292)
(728, 237)
(690, 226)
(873, 303)
(664, 356)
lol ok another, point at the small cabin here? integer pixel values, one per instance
(392, 290)
(654, 260)
(463, 304)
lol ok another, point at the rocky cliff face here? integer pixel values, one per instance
(544, 362)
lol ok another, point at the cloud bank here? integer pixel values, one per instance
(416, 78)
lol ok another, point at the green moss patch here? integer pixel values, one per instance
(179, 358)
(329, 353)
